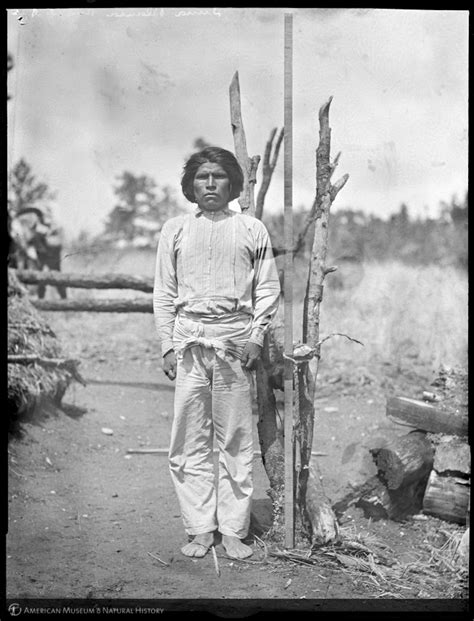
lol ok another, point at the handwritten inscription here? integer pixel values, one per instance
(148, 12)
(191, 12)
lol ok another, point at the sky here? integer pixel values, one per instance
(96, 92)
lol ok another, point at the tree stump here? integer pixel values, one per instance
(405, 460)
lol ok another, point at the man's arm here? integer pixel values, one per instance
(266, 291)
(165, 290)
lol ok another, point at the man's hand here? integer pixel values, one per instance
(250, 355)
(169, 365)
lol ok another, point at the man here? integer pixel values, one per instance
(48, 242)
(216, 292)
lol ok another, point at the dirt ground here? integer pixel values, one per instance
(88, 521)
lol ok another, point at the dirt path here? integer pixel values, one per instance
(84, 514)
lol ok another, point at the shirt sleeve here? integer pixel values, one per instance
(266, 290)
(165, 290)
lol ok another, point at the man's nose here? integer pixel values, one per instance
(210, 181)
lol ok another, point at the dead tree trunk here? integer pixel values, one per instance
(270, 436)
(315, 510)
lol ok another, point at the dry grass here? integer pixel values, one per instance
(363, 557)
(29, 334)
(399, 312)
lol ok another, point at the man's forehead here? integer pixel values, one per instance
(210, 167)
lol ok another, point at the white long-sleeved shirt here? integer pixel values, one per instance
(211, 265)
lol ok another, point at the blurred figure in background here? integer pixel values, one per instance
(47, 240)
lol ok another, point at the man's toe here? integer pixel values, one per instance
(195, 549)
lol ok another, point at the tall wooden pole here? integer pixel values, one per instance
(288, 283)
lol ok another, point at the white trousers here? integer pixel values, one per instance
(212, 398)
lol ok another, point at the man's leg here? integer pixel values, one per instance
(54, 263)
(190, 456)
(232, 411)
(41, 287)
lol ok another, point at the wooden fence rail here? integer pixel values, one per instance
(91, 281)
(86, 281)
(137, 305)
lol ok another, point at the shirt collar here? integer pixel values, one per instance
(199, 212)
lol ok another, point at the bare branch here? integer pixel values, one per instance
(249, 165)
(268, 148)
(329, 336)
(337, 187)
(68, 365)
(324, 111)
(277, 148)
(335, 163)
(269, 164)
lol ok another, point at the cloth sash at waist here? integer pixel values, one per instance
(226, 335)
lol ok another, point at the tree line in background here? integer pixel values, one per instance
(142, 206)
(357, 236)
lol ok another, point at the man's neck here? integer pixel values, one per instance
(213, 212)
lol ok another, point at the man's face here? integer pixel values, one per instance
(211, 187)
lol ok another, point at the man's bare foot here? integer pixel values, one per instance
(236, 548)
(199, 546)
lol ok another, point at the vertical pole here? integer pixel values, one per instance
(288, 282)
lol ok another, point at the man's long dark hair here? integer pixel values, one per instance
(215, 155)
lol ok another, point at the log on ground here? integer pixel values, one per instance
(447, 498)
(404, 460)
(378, 502)
(397, 504)
(137, 305)
(425, 416)
(86, 281)
(453, 457)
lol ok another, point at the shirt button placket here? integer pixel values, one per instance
(209, 254)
